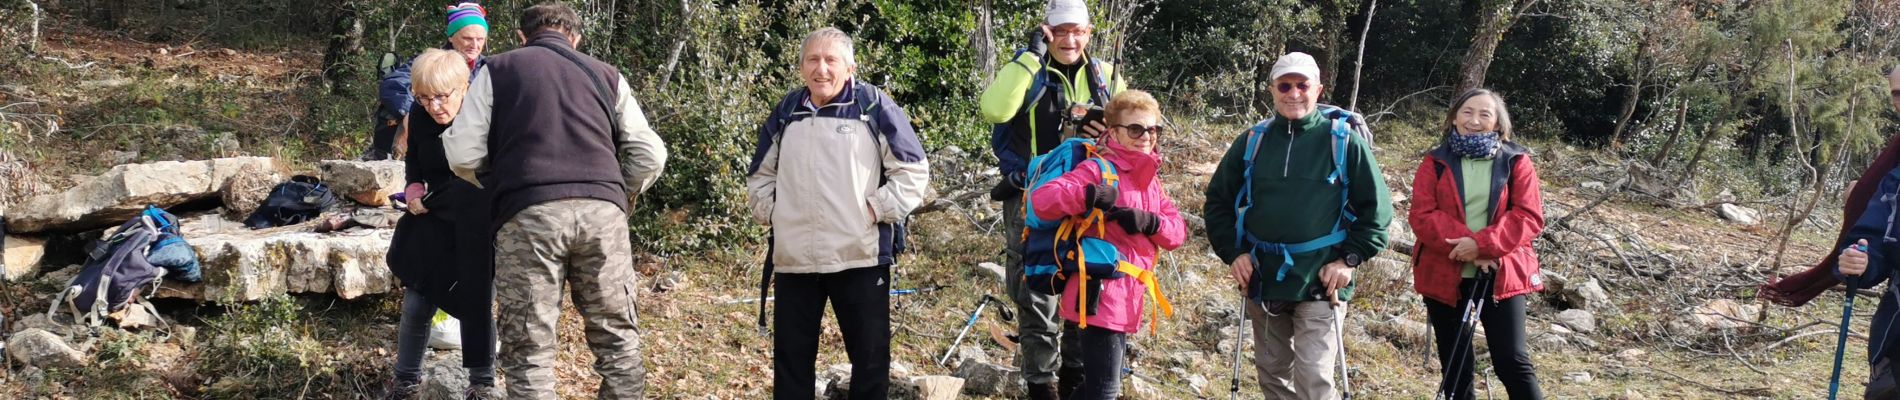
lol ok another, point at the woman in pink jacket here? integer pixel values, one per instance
(1142, 222)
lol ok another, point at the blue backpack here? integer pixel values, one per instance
(1346, 124)
(1055, 251)
(118, 270)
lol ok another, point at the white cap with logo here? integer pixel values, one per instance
(1296, 63)
(1067, 12)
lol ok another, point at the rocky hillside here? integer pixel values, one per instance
(1651, 284)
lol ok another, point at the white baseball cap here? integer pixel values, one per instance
(1296, 63)
(1067, 12)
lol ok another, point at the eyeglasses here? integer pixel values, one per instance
(1288, 87)
(1896, 94)
(1138, 130)
(1069, 32)
(431, 100)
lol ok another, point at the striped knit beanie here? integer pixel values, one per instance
(465, 15)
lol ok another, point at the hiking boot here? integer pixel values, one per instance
(480, 392)
(1043, 391)
(401, 390)
(1067, 380)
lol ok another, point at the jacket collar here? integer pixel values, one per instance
(550, 37)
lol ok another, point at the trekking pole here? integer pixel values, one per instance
(1239, 314)
(985, 302)
(1467, 331)
(1840, 345)
(1339, 334)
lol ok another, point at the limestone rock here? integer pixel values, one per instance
(246, 190)
(253, 265)
(1578, 320)
(120, 193)
(443, 377)
(1739, 214)
(21, 258)
(937, 387)
(987, 379)
(136, 318)
(44, 349)
(993, 270)
(1726, 314)
(1582, 377)
(367, 182)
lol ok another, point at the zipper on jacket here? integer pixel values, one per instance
(1287, 163)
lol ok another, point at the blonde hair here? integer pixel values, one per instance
(1504, 113)
(438, 71)
(1129, 101)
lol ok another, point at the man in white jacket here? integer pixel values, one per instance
(836, 169)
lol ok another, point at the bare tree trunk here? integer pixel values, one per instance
(1820, 181)
(679, 44)
(1629, 111)
(1359, 65)
(1333, 18)
(1675, 133)
(1477, 62)
(33, 42)
(984, 42)
(1709, 135)
(346, 44)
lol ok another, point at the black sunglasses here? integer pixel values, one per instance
(1288, 87)
(1139, 130)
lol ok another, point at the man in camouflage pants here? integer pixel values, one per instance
(537, 121)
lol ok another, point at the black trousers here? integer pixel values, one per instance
(861, 298)
(1504, 332)
(1103, 353)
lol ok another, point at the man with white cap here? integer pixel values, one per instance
(1045, 93)
(1296, 204)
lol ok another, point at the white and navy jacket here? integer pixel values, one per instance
(835, 180)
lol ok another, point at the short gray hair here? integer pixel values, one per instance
(831, 34)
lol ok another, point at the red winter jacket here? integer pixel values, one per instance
(1438, 213)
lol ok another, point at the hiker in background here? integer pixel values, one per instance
(443, 250)
(836, 168)
(1476, 208)
(1316, 208)
(1867, 257)
(1030, 101)
(566, 150)
(468, 36)
(1796, 290)
(1144, 222)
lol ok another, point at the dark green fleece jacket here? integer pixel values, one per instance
(1293, 202)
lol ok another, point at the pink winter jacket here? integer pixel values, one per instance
(1121, 299)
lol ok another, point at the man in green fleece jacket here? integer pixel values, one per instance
(1296, 200)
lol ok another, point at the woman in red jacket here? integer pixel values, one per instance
(1476, 210)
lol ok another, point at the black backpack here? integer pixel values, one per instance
(301, 199)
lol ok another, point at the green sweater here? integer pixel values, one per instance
(1476, 186)
(1294, 203)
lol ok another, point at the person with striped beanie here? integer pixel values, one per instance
(466, 29)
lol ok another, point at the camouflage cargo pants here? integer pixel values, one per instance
(581, 243)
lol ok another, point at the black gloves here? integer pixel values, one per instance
(1100, 198)
(1010, 188)
(1038, 44)
(1136, 221)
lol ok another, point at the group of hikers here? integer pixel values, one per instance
(522, 167)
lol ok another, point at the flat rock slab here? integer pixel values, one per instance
(251, 266)
(119, 194)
